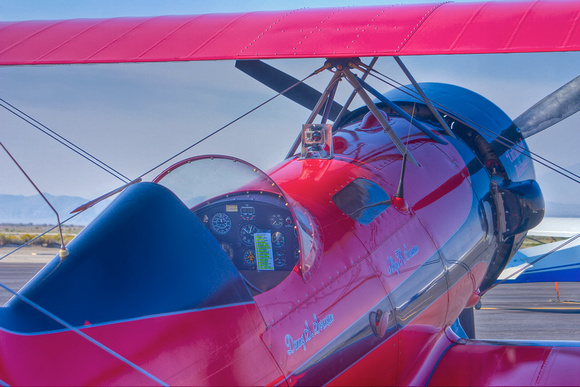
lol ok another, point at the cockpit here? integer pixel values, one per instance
(265, 234)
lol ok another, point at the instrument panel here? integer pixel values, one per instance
(255, 229)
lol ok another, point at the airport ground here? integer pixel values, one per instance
(509, 311)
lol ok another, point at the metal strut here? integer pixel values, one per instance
(350, 77)
(424, 96)
(63, 253)
(344, 109)
(323, 98)
(343, 69)
(401, 112)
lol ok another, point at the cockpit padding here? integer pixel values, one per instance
(146, 254)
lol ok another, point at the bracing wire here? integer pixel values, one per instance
(29, 242)
(530, 264)
(504, 141)
(63, 141)
(84, 335)
(104, 166)
(484, 131)
(229, 123)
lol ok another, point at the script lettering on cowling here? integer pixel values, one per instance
(294, 344)
(401, 257)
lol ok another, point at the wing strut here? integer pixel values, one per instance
(353, 80)
(343, 69)
(63, 252)
(424, 96)
(324, 98)
(401, 112)
(344, 109)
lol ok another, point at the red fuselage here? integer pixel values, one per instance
(375, 306)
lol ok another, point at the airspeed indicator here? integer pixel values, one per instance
(221, 223)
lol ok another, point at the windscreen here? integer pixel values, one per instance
(263, 233)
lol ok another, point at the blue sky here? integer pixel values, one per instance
(135, 115)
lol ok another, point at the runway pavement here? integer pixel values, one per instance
(516, 311)
(18, 268)
(530, 312)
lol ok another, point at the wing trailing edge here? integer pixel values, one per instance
(418, 29)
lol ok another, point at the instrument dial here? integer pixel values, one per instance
(247, 212)
(278, 239)
(247, 233)
(221, 223)
(228, 249)
(276, 220)
(250, 257)
(280, 259)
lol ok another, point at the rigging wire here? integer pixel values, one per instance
(72, 146)
(63, 141)
(488, 133)
(530, 264)
(152, 169)
(29, 242)
(232, 122)
(84, 335)
(507, 143)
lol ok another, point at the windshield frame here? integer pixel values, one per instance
(306, 228)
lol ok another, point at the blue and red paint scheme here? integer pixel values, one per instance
(371, 302)
(371, 298)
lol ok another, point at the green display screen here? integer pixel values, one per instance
(264, 255)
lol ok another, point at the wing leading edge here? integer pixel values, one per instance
(443, 28)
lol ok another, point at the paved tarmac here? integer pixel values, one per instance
(18, 268)
(517, 311)
(530, 312)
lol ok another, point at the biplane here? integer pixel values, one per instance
(353, 261)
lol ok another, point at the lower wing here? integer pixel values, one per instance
(550, 262)
(503, 363)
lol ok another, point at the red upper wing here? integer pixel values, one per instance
(449, 28)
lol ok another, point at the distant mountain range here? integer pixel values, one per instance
(561, 195)
(20, 209)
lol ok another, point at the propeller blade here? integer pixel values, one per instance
(279, 81)
(555, 107)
